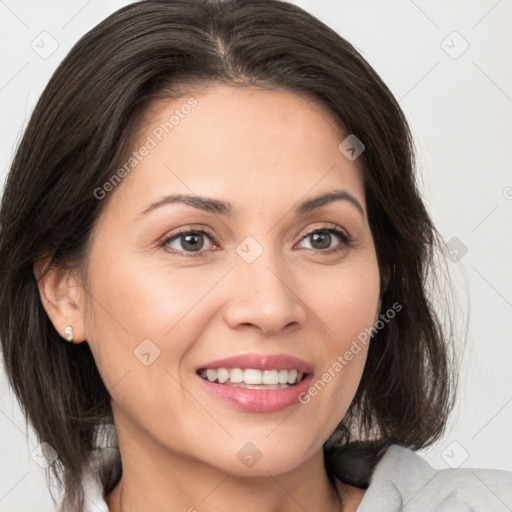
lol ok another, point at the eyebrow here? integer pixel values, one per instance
(216, 206)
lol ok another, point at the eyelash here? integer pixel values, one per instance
(329, 228)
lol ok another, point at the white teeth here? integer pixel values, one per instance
(292, 376)
(270, 377)
(252, 376)
(283, 376)
(236, 375)
(222, 375)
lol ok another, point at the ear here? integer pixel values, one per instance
(62, 298)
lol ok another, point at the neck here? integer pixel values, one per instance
(155, 479)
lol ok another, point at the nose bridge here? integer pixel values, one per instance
(262, 294)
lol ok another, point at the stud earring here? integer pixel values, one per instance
(69, 333)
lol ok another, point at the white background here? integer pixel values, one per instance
(460, 113)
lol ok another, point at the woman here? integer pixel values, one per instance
(215, 260)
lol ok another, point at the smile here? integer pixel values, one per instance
(254, 382)
(252, 378)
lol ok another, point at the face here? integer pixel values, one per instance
(251, 276)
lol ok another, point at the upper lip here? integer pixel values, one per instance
(261, 362)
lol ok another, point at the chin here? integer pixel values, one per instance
(259, 458)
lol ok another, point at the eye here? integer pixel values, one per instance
(190, 242)
(322, 238)
(187, 241)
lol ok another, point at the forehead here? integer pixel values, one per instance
(251, 146)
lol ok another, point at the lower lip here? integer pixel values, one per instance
(258, 400)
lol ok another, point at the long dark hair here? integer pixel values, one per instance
(77, 139)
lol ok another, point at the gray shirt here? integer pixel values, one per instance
(402, 481)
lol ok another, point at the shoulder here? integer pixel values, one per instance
(404, 481)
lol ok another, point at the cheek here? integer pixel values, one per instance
(347, 302)
(133, 302)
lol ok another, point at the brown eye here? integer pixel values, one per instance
(189, 241)
(321, 239)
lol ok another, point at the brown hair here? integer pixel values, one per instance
(77, 138)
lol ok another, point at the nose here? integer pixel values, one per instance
(262, 295)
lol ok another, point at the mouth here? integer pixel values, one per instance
(257, 382)
(253, 378)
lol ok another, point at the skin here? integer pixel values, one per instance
(264, 151)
